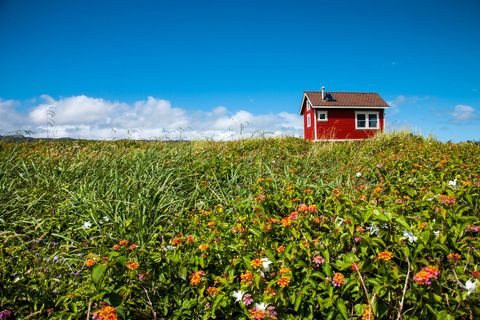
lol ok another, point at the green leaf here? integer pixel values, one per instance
(182, 273)
(97, 274)
(342, 308)
(444, 315)
(297, 303)
(113, 299)
(122, 261)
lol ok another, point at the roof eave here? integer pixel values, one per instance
(349, 107)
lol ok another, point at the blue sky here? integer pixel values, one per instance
(234, 61)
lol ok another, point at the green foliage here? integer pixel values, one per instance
(343, 228)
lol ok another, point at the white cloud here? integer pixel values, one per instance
(463, 113)
(397, 101)
(96, 118)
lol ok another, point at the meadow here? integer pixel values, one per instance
(386, 228)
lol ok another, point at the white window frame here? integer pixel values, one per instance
(367, 122)
(319, 112)
(309, 120)
(308, 106)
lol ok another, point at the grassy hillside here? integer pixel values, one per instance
(387, 227)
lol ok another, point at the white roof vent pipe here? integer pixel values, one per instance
(323, 92)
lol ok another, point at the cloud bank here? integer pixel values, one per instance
(463, 113)
(96, 118)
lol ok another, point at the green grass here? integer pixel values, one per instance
(151, 191)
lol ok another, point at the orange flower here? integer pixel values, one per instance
(205, 212)
(283, 281)
(116, 247)
(123, 242)
(385, 255)
(286, 222)
(133, 246)
(425, 275)
(211, 224)
(196, 277)
(422, 225)
(133, 265)
(247, 277)
(212, 291)
(270, 292)
(281, 249)
(377, 190)
(90, 262)
(106, 313)
(284, 270)
(203, 247)
(338, 279)
(176, 241)
(256, 263)
(190, 239)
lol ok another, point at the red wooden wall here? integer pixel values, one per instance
(341, 125)
(308, 132)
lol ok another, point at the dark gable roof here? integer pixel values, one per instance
(347, 99)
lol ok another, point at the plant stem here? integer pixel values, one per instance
(400, 308)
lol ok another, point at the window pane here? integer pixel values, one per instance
(322, 116)
(372, 120)
(361, 120)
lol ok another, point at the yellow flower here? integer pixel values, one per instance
(203, 247)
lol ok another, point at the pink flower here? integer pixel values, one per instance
(318, 260)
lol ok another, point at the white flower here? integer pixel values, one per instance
(373, 229)
(87, 225)
(471, 286)
(411, 238)
(261, 306)
(168, 248)
(238, 295)
(266, 264)
(453, 183)
(106, 219)
(358, 174)
(436, 233)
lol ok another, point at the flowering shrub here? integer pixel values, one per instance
(256, 229)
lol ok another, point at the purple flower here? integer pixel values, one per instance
(5, 314)
(247, 299)
(271, 311)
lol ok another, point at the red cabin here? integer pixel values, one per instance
(342, 115)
